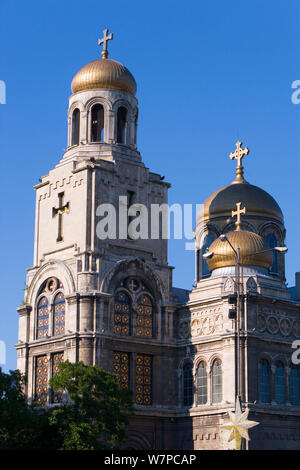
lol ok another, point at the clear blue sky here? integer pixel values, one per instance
(207, 74)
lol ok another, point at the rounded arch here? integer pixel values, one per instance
(272, 228)
(107, 104)
(137, 441)
(53, 268)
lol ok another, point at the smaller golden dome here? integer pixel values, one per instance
(104, 73)
(251, 245)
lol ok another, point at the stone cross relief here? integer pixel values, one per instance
(60, 210)
(239, 153)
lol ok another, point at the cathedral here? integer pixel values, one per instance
(110, 301)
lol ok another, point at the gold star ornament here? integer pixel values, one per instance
(239, 425)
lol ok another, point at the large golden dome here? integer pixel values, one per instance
(104, 73)
(258, 201)
(249, 243)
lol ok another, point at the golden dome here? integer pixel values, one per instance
(258, 201)
(104, 73)
(249, 243)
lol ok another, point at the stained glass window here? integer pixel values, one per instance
(42, 317)
(59, 314)
(201, 384)
(294, 386)
(188, 387)
(121, 368)
(133, 309)
(264, 381)
(143, 379)
(217, 381)
(57, 359)
(144, 317)
(51, 320)
(41, 380)
(122, 314)
(279, 383)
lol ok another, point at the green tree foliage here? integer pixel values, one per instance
(94, 414)
(98, 410)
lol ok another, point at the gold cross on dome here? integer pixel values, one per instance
(238, 214)
(239, 153)
(104, 41)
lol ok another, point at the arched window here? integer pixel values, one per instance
(122, 125)
(188, 389)
(216, 381)
(294, 386)
(205, 244)
(59, 314)
(97, 130)
(201, 384)
(264, 381)
(50, 321)
(42, 317)
(279, 383)
(134, 308)
(272, 242)
(75, 127)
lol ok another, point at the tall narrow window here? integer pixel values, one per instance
(279, 383)
(134, 309)
(97, 131)
(122, 314)
(59, 314)
(188, 388)
(50, 321)
(121, 368)
(57, 359)
(216, 381)
(41, 380)
(122, 125)
(272, 242)
(144, 316)
(294, 386)
(75, 127)
(42, 317)
(201, 384)
(206, 244)
(143, 379)
(264, 381)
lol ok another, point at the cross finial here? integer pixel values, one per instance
(104, 41)
(239, 155)
(238, 213)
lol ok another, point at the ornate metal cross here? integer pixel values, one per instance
(238, 213)
(104, 41)
(239, 153)
(60, 210)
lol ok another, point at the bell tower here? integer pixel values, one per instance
(90, 296)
